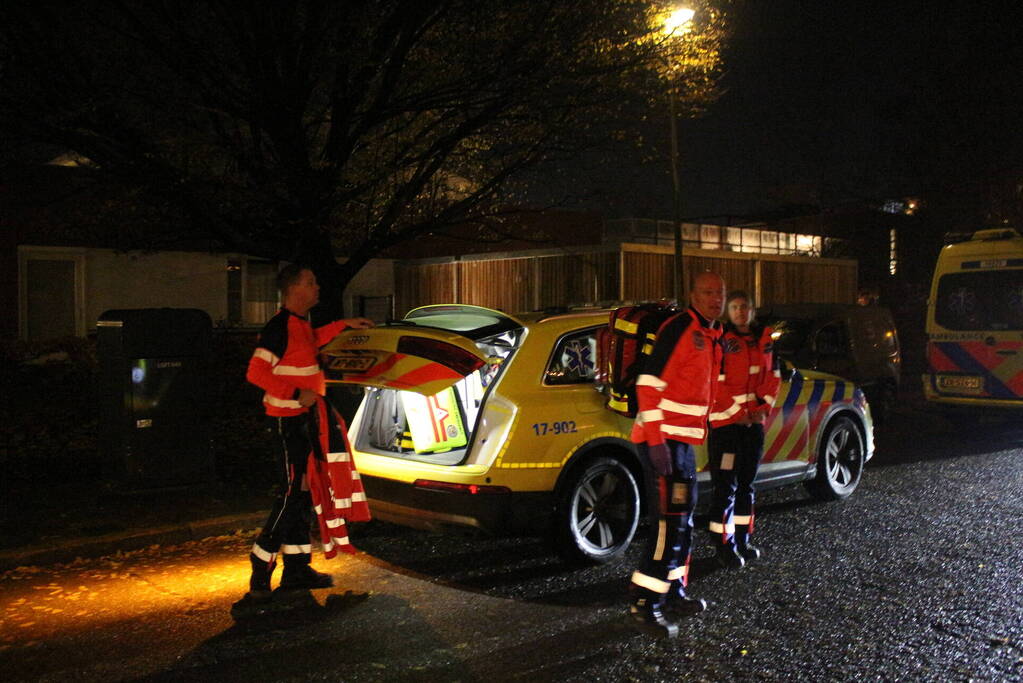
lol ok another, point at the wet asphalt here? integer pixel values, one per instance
(915, 577)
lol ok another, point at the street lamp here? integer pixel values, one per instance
(678, 23)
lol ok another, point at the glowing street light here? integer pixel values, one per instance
(679, 22)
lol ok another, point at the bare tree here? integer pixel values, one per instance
(311, 129)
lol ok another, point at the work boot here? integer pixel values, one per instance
(298, 575)
(646, 615)
(680, 605)
(683, 606)
(259, 581)
(748, 551)
(729, 557)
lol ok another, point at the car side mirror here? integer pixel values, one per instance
(786, 370)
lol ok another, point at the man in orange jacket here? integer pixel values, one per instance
(675, 392)
(285, 366)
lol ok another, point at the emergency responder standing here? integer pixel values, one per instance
(747, 387)
(675, 392)
(285, 365)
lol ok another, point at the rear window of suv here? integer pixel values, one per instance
(983, 300)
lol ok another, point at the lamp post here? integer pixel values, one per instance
(678, 23)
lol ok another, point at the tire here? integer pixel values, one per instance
(597, 512)
(840, 460)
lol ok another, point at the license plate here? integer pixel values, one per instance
(964, 384)
(350, 363)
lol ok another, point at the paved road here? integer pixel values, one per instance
(914, 578)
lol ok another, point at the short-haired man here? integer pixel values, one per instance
(747, 387)
(285, 366)
(675, 393)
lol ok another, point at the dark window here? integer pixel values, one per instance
(791, 337)
(983, 300)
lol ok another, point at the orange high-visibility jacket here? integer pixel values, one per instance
(749, 378)
(285, 361)
(675, 390)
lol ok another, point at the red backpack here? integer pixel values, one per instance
(622, 347)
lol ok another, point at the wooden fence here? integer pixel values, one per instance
(525, 281)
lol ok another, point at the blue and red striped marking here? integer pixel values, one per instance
(794, 420)
(1000, 365)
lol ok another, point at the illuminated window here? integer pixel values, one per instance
(893, 254)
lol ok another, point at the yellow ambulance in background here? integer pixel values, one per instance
(975, 323)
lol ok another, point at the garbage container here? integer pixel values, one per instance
(155, 396)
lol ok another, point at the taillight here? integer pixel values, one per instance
(454, 357)
(448, 487)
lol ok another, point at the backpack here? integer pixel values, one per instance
(622, 348)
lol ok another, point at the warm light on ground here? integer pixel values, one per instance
(39, 602)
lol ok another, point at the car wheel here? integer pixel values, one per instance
(598, 512)
(840, 459)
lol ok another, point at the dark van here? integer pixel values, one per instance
(859, 343)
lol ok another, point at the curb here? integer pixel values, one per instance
(68, 549)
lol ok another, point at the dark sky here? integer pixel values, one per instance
(831, 101)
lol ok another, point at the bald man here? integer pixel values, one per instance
(675, 391)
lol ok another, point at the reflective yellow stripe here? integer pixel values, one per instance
(662, 531)
(725, 414)
(280, 402)
(719, 528)
(677, 573)
(295, 370)
(296, 549)
(263, 354)
(650, 583)
(652, 416)
(691, 432)
(617, 405)
(682, 408)
(626, 326)
(263, 554)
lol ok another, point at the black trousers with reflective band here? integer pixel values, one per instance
(666, 559)
(734, 452)
(287, 527)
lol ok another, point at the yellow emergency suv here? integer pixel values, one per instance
(473, 417)
(975, 323)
